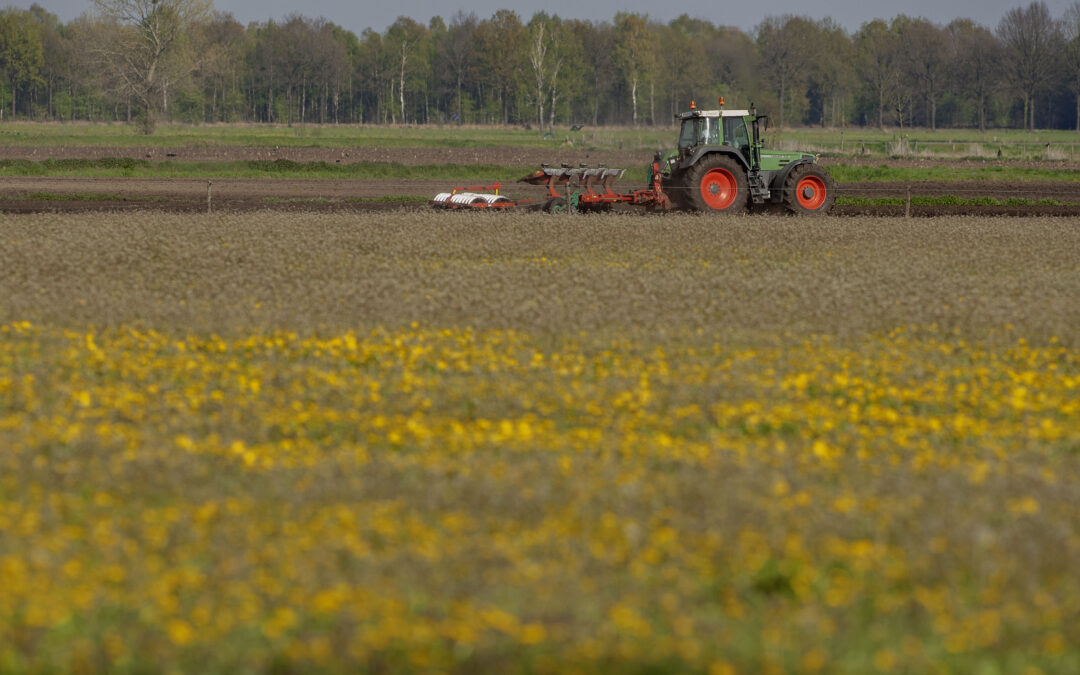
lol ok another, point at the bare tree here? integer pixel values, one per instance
(1031, 39)
(551, 51)
(146, 47)
(405, 40)
(635, 54)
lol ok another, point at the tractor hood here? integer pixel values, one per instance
(772, 160)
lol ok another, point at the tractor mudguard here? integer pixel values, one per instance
(780, 176)
(703, 150)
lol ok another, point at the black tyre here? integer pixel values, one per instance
(555, 205)
(717, 183)
(675, 189)
(809, 190)
(595, 208)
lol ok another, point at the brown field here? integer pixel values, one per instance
(188, 195)
(247, 194)
(734, 276)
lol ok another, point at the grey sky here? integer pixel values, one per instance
(746, 15)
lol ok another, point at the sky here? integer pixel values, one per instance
(358, 16)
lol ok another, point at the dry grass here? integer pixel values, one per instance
(742, 279)
(455, 443)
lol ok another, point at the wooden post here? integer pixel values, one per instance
(208, 207)
(907, 207)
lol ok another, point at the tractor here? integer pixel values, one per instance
(720, 166)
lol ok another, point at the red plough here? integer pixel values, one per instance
(582, 189)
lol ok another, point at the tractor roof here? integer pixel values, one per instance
(713, 113)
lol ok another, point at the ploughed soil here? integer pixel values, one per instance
(31, 194)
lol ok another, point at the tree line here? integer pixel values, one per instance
(140, 61)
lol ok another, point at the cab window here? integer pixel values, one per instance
(699, 131)
(735, 134)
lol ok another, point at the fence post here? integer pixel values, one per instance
(208, 184)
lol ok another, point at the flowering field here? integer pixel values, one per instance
(454, 443)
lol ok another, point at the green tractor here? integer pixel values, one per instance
(720, 167)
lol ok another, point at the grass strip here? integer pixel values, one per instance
(126, 167)
(269, 136)
(71, 197)
(846, 173)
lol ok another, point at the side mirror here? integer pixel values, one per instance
(763, 120)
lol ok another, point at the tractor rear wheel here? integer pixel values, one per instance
(809, 190)
(717, 183)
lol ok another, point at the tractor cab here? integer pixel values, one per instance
(715, 127)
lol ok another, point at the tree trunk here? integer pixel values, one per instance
(401, 86)
(633, 99)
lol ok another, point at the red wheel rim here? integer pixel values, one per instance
(811, 192)
(719, 189)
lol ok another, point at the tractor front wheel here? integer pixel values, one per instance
(809, 190)
(717, 183)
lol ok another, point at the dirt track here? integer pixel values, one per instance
(30, 194)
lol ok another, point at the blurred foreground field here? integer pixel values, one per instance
(452, 443)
